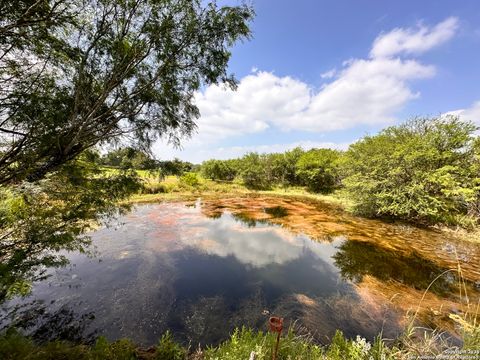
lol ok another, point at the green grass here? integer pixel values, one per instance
(144, 174)
(171, 188)
(243, 341)
(338, 197)
(240, 345)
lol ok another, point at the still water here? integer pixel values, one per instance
(201, 269)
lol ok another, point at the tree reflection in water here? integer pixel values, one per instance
(356, 259)
(44, 323)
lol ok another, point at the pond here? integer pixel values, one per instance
(202, 268)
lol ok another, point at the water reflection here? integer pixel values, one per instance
(356, 259)
(257, 245)
(44, 322)
(324, 222)
(202, 270)
(276, 211)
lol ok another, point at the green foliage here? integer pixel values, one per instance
(190, 179)
(255, 171)
(341, 348)
(122, 349)
(14, 346)
(174, 167)
(425, 171)
(283, 167)
(39, 219)
(318, 169)
(157, 188)
(243, 341)
(91, 156)
(78, 73)
(128, 158)
(262, 171)
(168, 349)
(220, 169)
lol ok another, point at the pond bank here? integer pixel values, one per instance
(243, 344)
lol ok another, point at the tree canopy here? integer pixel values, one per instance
(220, 169)
(426, 171)
(318, 169)
(127, 158)
(80, 73)
(75, 73)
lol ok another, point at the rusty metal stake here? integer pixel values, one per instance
(276, 347)
(276, 325)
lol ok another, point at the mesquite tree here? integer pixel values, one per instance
(76, 73)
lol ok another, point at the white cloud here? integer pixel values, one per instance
(260, 100)
(470, 114)
(364, 92)
(328, 74)
(413, 41)
(367, 92)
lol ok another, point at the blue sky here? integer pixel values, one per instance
(325, 73)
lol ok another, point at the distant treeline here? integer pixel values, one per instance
(317, 169)
(131, 158)
(426, 170)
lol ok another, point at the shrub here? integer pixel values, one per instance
(168, 349)
(424, 171)
(156, 188)
(318, 169)
(190, 179)
(219, 169)
(255, 172)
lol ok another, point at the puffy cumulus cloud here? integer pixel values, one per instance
(413, 40)
(261, 99)
(364, 92)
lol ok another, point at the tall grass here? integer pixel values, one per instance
(243, 342)
(418, 341)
